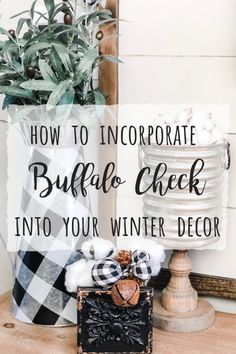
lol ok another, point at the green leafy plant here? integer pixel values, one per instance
(53, 63)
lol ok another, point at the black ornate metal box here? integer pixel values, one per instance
(105, 327)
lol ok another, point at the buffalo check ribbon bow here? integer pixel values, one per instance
(107, 272)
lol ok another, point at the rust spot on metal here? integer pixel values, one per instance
(83, 293)
(103, 292)
(79, 306)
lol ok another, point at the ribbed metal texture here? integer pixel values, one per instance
(180, 202)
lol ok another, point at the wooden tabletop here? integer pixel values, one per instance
(19, 338)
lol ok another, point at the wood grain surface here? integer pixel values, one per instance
(16, 337)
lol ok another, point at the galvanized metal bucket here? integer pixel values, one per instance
(180, 202)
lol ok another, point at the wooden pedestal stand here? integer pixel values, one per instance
(179, 309)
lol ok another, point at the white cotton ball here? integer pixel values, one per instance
(208, 124)
(155, 269)
(103, 249)
(73, 272)
(182, 118)
(167, 119)
(85, 278)
(204, 137)
(217, 136)
(196, 123)
(79, 274)
(98, 248)
(87, 249)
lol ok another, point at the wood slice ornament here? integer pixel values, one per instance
(125, 293)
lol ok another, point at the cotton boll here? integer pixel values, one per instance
(79, 274)
(196, 123)
(182, 118)
(217, 136)
(157, 255)
(177, 121)
(208, 124)
(103, 249)
(73, 272)
(85, 278)
(167, 119)
(87, 249)
(98, 248)
(204, 138)
(155, 269)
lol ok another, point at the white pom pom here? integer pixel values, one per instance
(98, 248)
(79, 274)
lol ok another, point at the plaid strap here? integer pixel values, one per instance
(140, 256)
(140, 266)
(107, 272)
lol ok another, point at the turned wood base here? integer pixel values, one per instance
(179, 295)
(201, 318)
(179, 309)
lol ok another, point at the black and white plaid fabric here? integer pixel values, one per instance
(140, 256)
(142, 271)
(106, 272)
(140, 266)
(39, 293)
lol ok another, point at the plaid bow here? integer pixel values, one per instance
(107, 272)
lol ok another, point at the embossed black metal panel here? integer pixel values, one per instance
(105, 327)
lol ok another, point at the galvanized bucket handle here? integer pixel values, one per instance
(227, 157)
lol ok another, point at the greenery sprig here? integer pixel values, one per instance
(54, 63)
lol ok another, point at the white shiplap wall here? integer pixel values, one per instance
(184, 51)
